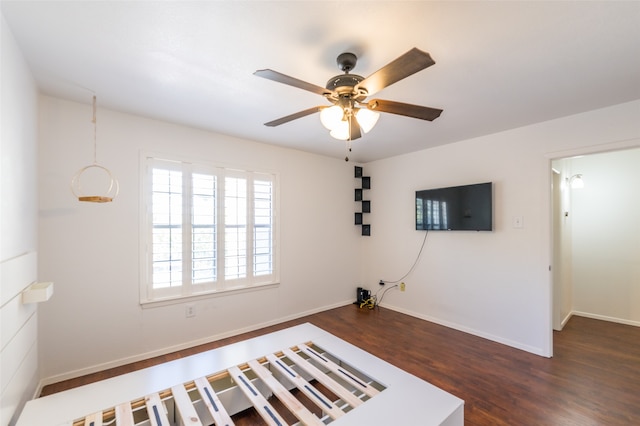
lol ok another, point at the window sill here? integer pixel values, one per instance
(157, 303)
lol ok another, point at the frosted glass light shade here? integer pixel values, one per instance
(341, 130)
(367, 119)
(331, 117)
(576, 181)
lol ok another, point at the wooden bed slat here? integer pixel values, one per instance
(213, 404)
(156, 410)
(94, 419)
(262, 406)
(283, 394)
(340, 371)
(187, 411)
(307, 388)
(124, 415)
(326, 381)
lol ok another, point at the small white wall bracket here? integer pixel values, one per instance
(37, 292)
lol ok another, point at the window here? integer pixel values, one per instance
(206, 229)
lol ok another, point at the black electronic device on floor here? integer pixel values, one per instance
(362, 295)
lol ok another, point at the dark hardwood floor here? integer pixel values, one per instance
(593, 378)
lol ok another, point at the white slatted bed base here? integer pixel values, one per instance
(124, 415)
(289, 400)
(260, 403)
(340, 371)
(326, 381)
(94, 419)
(186, 410)
(334, 379)
(324, 403)
(212, 402)
(156, 410)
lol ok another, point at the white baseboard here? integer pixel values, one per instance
(604, 318)
(497, 339)
(565, 320)
(163, 351)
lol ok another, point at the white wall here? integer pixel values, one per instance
(495, 285)
(18, 230)
(606, 236)
(91, 250)
(492, 284)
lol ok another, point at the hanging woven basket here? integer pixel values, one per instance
(108, 190)
(94, 183)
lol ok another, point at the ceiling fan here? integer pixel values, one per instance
(350, 113)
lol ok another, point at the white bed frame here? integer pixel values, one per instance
(208, 388)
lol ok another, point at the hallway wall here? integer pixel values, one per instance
(606, 237)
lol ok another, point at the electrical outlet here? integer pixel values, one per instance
(190, 311)
(402, 286)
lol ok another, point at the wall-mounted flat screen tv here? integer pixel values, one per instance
(456, 208)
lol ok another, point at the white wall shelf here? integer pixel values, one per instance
(37, 292)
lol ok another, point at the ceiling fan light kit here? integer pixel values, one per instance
(330, 117)
(341, 131)
(367, 119)
(351, 114)
(335, 120)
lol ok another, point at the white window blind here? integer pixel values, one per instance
(206, 229)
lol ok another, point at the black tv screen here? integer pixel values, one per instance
(456, 208)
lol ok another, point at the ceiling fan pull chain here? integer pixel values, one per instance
(348, 149)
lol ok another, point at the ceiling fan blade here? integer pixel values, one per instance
(409, 110)
(292, 117)
(291, 81)
(410, 63)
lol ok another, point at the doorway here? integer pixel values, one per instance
(596, 237)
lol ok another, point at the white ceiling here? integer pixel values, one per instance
(499, 65)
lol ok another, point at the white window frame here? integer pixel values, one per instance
(152, 296)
